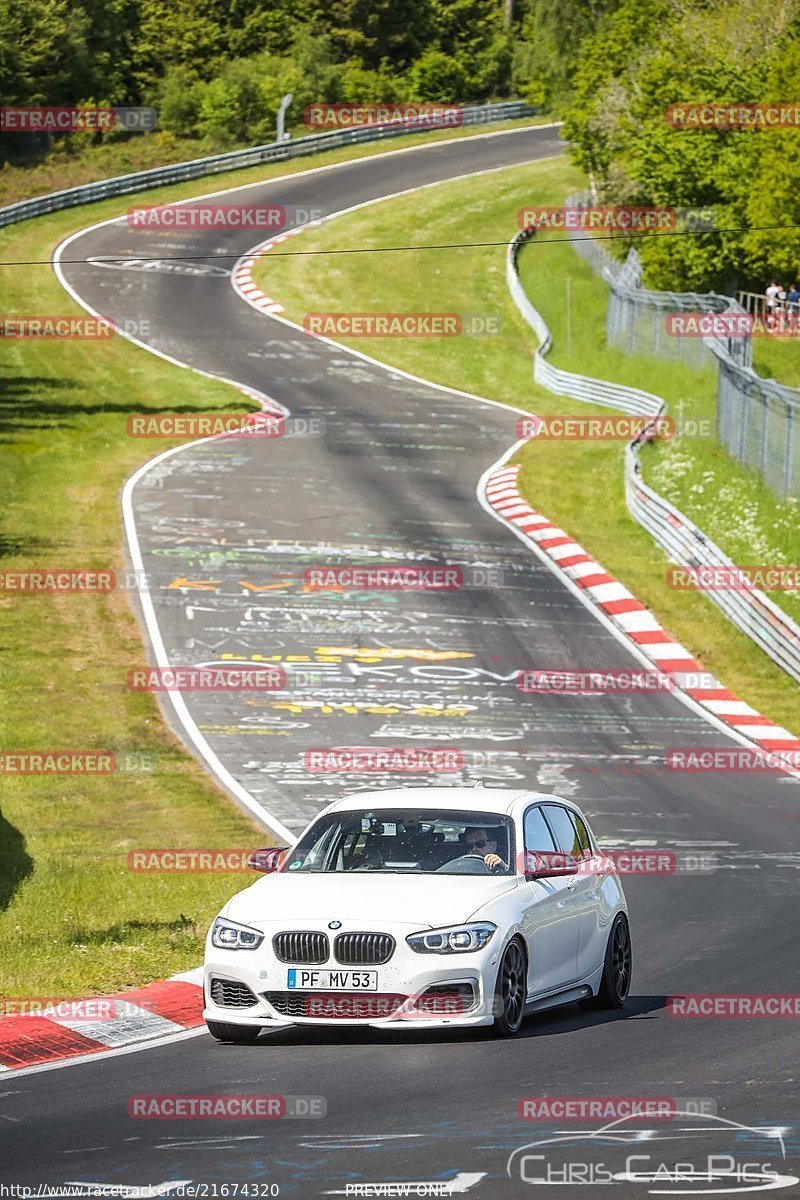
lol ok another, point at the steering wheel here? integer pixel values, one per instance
(465, 864)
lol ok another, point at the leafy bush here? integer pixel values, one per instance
(436, 77)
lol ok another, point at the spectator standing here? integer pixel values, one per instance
(772, 294)
(793, 296)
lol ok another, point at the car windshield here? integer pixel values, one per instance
(418, 841)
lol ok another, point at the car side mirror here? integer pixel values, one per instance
(548, 864)
(267, 860)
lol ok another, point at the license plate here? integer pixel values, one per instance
(331, 981)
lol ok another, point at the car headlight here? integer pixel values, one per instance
(227, 935)
(454, 939)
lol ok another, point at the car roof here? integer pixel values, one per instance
(477, 798)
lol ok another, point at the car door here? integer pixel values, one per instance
(594, 931)
(572, 836)
(551, 921)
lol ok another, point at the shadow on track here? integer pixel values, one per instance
(558, 1021)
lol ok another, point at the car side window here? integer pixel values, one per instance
(584, 841)
(564, 831)
(537, 831)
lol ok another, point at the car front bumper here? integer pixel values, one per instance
(407, 974)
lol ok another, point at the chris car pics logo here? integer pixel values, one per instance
(695, 1154)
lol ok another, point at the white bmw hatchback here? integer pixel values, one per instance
(421, 908)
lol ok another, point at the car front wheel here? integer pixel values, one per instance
(616, 981)
(510, 991)
(225, 1031)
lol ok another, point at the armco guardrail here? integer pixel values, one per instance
(196, 168)
(566, 383)
(687, 546)
(753, 612)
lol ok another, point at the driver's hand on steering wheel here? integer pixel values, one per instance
(493, 861)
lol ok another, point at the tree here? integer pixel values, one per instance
(374, 30)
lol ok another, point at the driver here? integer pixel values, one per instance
(477, 841)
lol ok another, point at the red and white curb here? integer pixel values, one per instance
(633, 619)
(155, 1011)
(243, 272)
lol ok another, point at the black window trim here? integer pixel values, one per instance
(536, 804)
(557, 804)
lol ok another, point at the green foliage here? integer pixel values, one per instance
(552, 35)
(374, 30)
(360, 85)
(235, 104)
(720, 51)
(218, 69)
(178, 101)
(436, 76)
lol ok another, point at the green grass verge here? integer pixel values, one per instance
(73, 919)
(580, 484)
(778, 358)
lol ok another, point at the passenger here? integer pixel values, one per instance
(415, 841)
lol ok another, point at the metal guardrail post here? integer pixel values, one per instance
(788, 456)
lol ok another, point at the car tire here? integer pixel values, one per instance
(225, 1031)
(616, 980)
(510, 991)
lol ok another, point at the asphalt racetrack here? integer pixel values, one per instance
(392, 471)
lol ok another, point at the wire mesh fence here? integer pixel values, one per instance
(758, 420)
